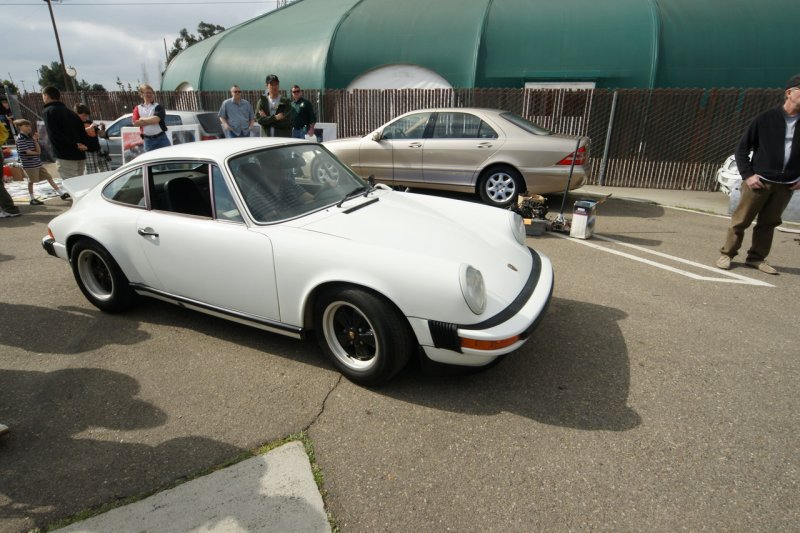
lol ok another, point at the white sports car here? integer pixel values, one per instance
(238, 229)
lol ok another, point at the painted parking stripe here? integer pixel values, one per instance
(730, 277)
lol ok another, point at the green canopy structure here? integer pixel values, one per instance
(501, 43)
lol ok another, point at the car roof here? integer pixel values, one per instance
(217, 149)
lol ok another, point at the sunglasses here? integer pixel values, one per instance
(236, 92)
(296, 91)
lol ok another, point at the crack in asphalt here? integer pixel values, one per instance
(324, 401)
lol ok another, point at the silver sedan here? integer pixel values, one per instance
(493, 153)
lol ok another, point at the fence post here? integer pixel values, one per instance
(604, 161)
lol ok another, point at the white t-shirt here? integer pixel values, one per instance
(149, 110)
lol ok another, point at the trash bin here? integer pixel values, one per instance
(583, 219)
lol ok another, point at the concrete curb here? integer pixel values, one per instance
(272, 492)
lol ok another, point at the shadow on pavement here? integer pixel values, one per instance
(573, 372)
(59, 457)
(70, 330)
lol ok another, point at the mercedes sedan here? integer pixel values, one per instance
(495, 154)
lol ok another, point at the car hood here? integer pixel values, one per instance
(431, 227)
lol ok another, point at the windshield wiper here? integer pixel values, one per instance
(365, 190)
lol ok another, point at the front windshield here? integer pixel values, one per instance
(290, 181)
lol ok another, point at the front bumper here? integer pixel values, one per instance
(479, 344)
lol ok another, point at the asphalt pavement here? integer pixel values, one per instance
(277, 492)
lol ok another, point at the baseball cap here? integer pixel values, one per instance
(794, 81)
(272, 78)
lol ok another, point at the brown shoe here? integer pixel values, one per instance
(724, 262)
(763, 266)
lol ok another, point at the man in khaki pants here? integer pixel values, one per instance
(770, 178)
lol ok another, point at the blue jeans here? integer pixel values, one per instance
(230, 134)
(159, 141)
(299, 133)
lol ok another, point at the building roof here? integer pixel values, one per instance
(503, 43)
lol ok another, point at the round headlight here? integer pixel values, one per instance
(473, 289)
(517, 227)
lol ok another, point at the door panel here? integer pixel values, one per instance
(459, 145)
(217, 263)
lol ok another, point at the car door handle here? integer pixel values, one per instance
(147, 232)
(485, 145)
(415, 145)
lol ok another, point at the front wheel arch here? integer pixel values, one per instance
(390, 339)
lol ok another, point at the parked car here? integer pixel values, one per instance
(111, 142)
(495, 154)
(239, 229)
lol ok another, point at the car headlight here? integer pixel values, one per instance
(472, 288)
(517, 227)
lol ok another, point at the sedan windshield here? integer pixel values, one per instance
(525, 124)
(290, 181)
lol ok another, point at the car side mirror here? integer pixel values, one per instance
(377, 136)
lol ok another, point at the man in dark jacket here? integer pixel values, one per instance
(768, 179)
(66, 133)
(273, 111)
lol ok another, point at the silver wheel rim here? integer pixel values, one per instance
(327, 172)
(350, 336)
(95, 275)
(500, 187)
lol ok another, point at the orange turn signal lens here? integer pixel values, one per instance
(475, 344)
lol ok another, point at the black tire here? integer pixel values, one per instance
(366, 338)
(100, 278)
(500, 186)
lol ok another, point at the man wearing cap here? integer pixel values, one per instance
(273, 111)
(770, 177)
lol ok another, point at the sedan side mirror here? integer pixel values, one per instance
(377, 136)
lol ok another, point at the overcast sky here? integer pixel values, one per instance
(104, 39)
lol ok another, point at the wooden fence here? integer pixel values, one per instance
(660, 138)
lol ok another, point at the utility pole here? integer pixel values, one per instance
(67, 79)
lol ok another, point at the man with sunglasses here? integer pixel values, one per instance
(769, 178)
(236, 115)
(303, 116)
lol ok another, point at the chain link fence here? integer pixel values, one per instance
(659, 138)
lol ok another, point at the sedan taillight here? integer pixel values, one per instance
(580, 160)
(208, 137)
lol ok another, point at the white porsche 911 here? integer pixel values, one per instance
(239, 229)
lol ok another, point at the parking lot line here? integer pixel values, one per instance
(730, 277)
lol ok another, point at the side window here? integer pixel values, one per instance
(486, 132)
(180, 187)
(127, 189)
(409, 127)
(224, 206)
(461, 126)
(114, 130)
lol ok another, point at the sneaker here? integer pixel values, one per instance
(34, 201)
(763, 266)
(3, 429)
(65, 196)
(13, 211)
(9, 214)
(724, 262)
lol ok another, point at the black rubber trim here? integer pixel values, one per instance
(180, 300)
(47, 244)
(518, 303)
(445, 334)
